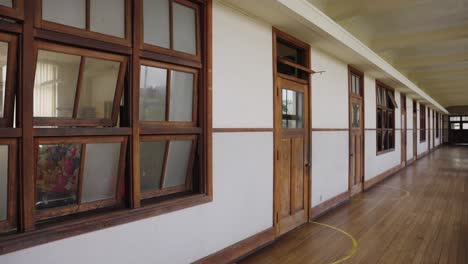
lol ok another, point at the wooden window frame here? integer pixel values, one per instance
(169, 68)
(422, 123)
(9, 224)
(11, 79)
(187, 187)
(83, 53)
(387, 111)
(79, 206)
(16, 12)
(171, 51)
(31, 232)
(87, 33)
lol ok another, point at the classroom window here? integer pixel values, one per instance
(386, 106)
(422, 123)
(104, 20)
(100, 141)
(171, 26)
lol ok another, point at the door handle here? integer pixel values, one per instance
(307, 165)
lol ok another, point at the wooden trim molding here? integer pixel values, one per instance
(409, 162)
(329, 129)
(329, 205)
(240, 249)
(240, 130)
(372, 182)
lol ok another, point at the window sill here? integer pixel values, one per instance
(52, 232)
(385, 151)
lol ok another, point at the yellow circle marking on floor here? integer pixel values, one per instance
(355, 243)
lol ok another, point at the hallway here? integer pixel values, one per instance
(419, 215)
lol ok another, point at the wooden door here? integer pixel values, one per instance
(292, 133)
(356, 146)
(403, 130)
(428, 129)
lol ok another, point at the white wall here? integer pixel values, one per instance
(330, 160)
(243, 195)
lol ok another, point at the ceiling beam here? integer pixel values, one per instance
(407, 40)
(426, 61)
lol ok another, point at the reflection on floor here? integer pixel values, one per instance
(420, 215)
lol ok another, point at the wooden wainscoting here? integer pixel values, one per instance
(371, 182)
(240, 249)
(329, 205)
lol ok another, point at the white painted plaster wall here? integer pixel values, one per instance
(330, 160)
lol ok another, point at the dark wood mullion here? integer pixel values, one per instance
(134, 177)
(171, 24)
(164, 168)
(27, 180)
(88, 15)
(81, 173)
(79, 85)
(168, 94)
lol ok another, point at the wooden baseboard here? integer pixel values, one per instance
(370, 183)
(240, 249)
(409, 162)
(422, 155)
(329, 205)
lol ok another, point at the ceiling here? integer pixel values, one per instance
(426, 40)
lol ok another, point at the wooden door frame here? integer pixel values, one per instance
(278, 34)
(415, 130)
(404, 132)
(351, 70)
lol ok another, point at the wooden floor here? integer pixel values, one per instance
(420, 215)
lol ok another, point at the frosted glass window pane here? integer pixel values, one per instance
(66, 12)
(101, 169)
(151, 165)
(3, 182)
(8, 3)
(108, 17)
(177, 163)
(181, 105)
(58, 170)
(3, 72)
(98, 88)
(153, 85)
(156, 23)
(55, 84)
(184, 24)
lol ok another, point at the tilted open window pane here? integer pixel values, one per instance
(7, 3)
(181, 103)
(464, 118)
(101, 171)
(67, 12)
(3, 182)
(465, 126)
(108, 17)
(166, 164)
(153, 90)
(178, 163)
(152, 156)
(58, 169)
(156, 23)
(55, 84)
(455, 126)
(455, 118)
(98, 88)
(293, 109)
(3, 75)
(184, 28)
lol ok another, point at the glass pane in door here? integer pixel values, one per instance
(356, 117)
(292, 109)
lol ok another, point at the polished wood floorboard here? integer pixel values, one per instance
(419, 215)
